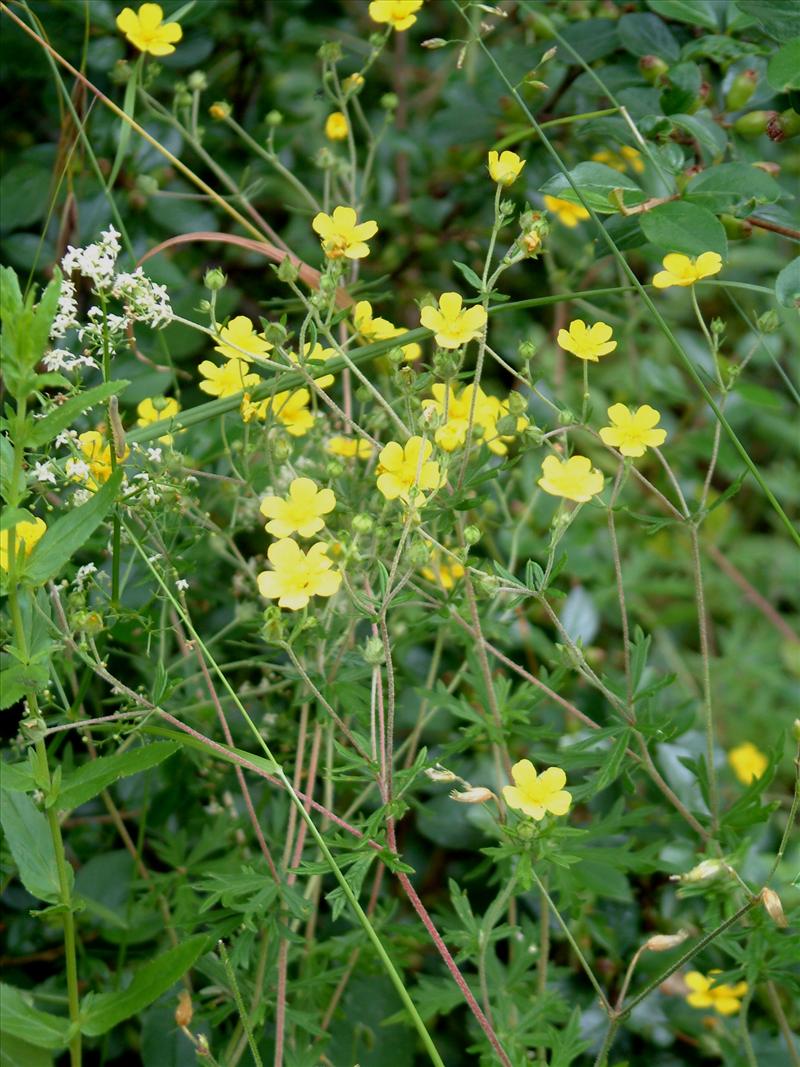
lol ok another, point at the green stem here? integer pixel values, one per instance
(544, 956)
(705, 655)
(226, 962)
(608, 1041)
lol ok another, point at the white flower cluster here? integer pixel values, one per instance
(67, 314)
(144, 300)
(95, 262)
(61, 359)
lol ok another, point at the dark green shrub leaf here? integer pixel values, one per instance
(596, 183)
(695, 12)
(647, 35)
(779, 18)
(729, 186)
(687, 228)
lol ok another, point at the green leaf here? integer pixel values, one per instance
(778, 18)
(687, 228)
(9, 491)
(102, 1011)
(19, 679)
(783, 69)
(730, 187)
(14, 1052)
(706, 132)
(596, 183)
(17, 777)
(26, 330)
(69, 533)
(469, 274)
(45, 429)
(787, 285)
(647, 35)
(31, 845)
(21, 1019)
(11, 516)
(612, 762)
(90, 779)
(695, 12)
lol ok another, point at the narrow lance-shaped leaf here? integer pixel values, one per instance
(45, 429)
(90, 779)
(21, 1019)
(31, 845)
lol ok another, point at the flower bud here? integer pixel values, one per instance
(373, 651)
(330, 52)
(389, 101)
(517, 404)
(440, 774)
(701, 873)
(197, 81)
(753, 124)
(184, 1010)
(147, 184)
(287, 271)
(214, 279)
(353, 82)
(526, 349)
(796, 730)
(434, 42)
(773, 907)
(472, 535)
(652, 68)
(418, 554)
(273, 118)
(742, 88)
(665, 942)
(782, 127)
(220, 110)
(281, 448)
(478, 795)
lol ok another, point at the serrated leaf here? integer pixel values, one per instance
(20, 1019)
(46, 429)
(19, 679)
(102, 1011)
(687, 228)
(87, 781)
(69, 533)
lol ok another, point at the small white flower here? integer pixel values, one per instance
(66, 437)
(83, 573)
(154, 455)
(78, 469)
(80, 496)
(43, 472)
(181, 584)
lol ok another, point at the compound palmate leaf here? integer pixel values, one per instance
(102, 1011)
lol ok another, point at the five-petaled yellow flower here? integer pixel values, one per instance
(97, 457)
(399, 14)
(300, 511)
(316, 354)
(453, 325)
(297, 575)
(452, 434)
(401, 468)
(568, 214)
(371, 327)
(619, 161)
(633, 431)
(150, 411)
(348, 447)
(683, 271)
(705, 993)
(336, 126)
(537, 794)
(505, 167)
(229, 379)
(26, 537)
(240, 340)
(291, 410)
(587, 342)
(147, 31)
(573, 478)
(747, 762)
(444, 574)
(342, 235)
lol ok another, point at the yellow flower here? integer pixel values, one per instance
(725, 999)
(26, 536)
(634, 157)
(505, 168)
(336, 126)
(150, 411)
(353, 82)
(452, 325)
(587, 342)
(300, 511)
(619, 161)
(342, 235)
(348, 447)
(297, 575)
(683, 271)
(537, 794)
(291, 410)
(240, 340)
(444, 574)
(369, 327)
(228, 380)
(609, 158)
(253, 409)
(411, 351)
(147, 30)
(747, 762)
(399, 14)
(632, 431)
(317, 354)
(573, 478)
(401, 468)
(96, 457)
(566, 213)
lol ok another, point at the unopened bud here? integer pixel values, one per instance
(215, 279)
(782, 127)
(796, 730)
(353, 82)
(769, 322)
(652, 68)
(478, 795)
(330, 52)
(664, 942)
(418, 554)
(197, 81)
(753, 124)
(362, 523)
(434, 42)
(287, 271)
(220, 110)
(701, 873)
(472, 535)
(389, 101)
(273, 118)
(526, 350)
(184, 1010)
(440, 774)
(373, 651)
(773, 907)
